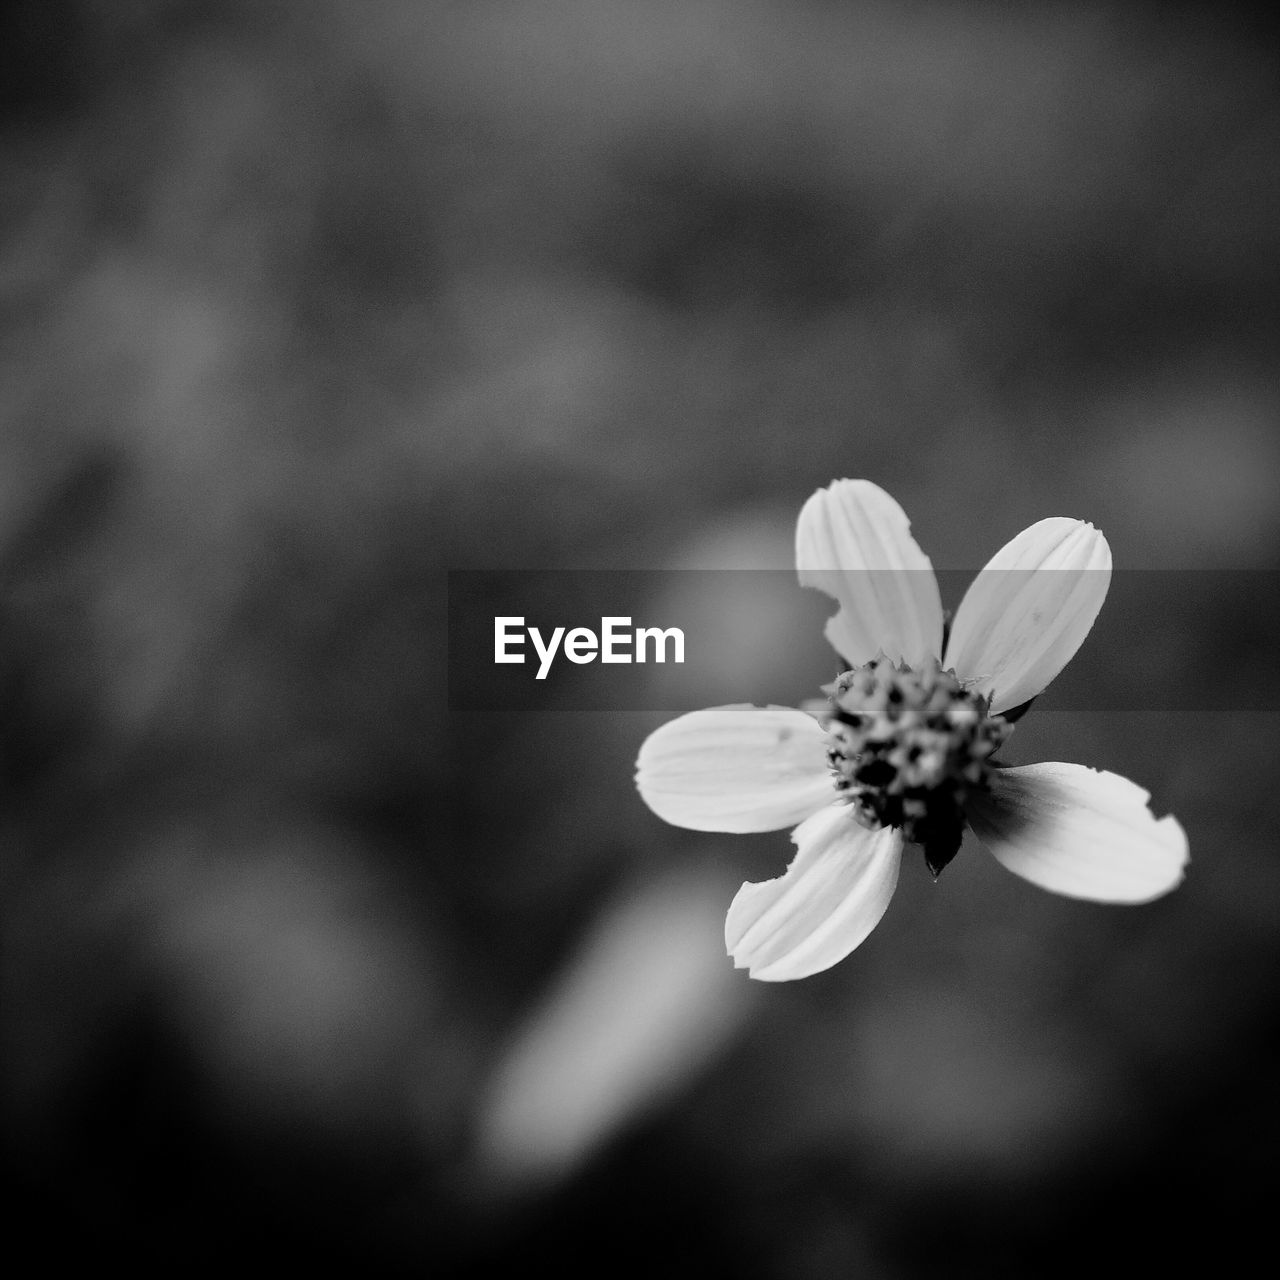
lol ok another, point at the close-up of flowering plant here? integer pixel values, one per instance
(903, 749)
(428, 593)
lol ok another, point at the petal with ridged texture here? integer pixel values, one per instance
(828, 900)
(1081, 832)
(1029, 610)
(853, 542)
(737, 768)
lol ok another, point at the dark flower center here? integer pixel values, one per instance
(908, 747)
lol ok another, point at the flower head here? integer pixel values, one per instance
(903, 748)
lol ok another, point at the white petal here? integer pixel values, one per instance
(1080, 831)
(738, 768)
(1029, 610)
(831, 896)
(853, 541)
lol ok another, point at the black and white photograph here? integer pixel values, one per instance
(639, 638)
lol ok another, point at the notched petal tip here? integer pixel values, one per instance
(828, 900)
(854, 543)
(1172, 837)
(1081, 832)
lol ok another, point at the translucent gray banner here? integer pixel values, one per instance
(676, 640)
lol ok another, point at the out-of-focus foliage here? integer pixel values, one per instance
(306, 304)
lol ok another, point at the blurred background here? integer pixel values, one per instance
(305, 304)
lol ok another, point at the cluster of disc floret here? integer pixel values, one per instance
(908, 747)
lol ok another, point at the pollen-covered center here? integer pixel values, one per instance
(908, 747)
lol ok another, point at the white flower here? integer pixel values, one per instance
(903, 748)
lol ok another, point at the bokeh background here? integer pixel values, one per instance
(306, 303)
